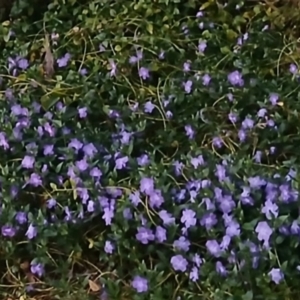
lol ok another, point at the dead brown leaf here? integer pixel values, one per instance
(94, 286)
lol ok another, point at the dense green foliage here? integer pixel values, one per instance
(159, 161)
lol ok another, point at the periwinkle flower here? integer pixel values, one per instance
(147, 185)
(273, 98)
(188, 86)
(28, 162)
(143, 160)
(247, 123)
(51, 203)
(144, 235)
(37, 269)
(31, 232)
(197, 161)
(140, 284)
(235, 78)
(108, 215)
(109, 247)
(270, 209)
(194, 274)
(217, 142)
(21, 217)
(35, 180)
(264, 232)
(221, 269)
(233, 117)
(82, 112)
(189, 131)
(276, 275)
(295, 228)
(121, 162)
(209, 220)
(182, 244)
(63, 61)
(293, 69)
(179, 263)
(156, 199)
(202, 46)
(149, 107)
(48, 150)
(8, 231)
(3, 141)
(188, 218)
(167, 218)
(160, 234)
(186, 66)
(144, 73)
(213, 248)
(262, 112)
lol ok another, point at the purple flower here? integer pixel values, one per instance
(28, 162)
(179, 263)
(182, 244)
(188, 86)
(264, 232)
(82, 112)
(35, 180)
(143, 160)
(63, 61)
(31, 232)
(276, 275)
(144, 235)
(213, 248)
(113, 67)
(295, 228)
(108, 215)
(197, 161)
(221, 269)
(293, 69)
(135, 198)
(51, 203)
(194, 274)
(247, 123)
(217, 142)
(156, 199)
(144, 73)
(160, 234)
(37, 269)
(206, 80)
(189, 131)
(273, 98)
(186, 67)
(188, 218)
(140, 284)
(21, 217)
(202, 46)
(48, 150)
(270, 209)
(109, 247)
(147, 185)
(209, 220)
(262, 112)
(166, 217)
(121, 162)
(235, 78)
(149, 107)
(8, 231)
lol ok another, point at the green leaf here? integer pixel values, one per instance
(248, 296)
(150, 28)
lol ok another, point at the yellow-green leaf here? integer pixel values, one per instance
(149, 28)
(118, 48)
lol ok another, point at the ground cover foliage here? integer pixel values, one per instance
(159, 160)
